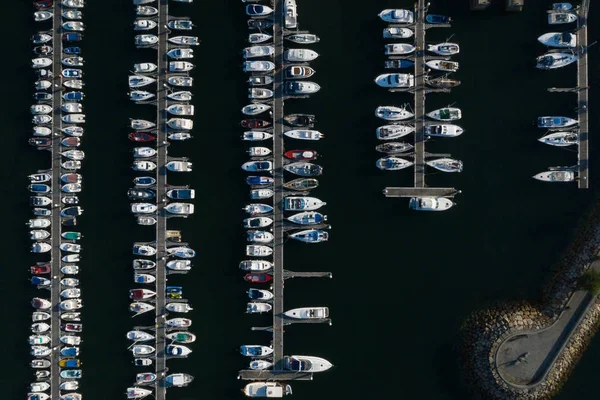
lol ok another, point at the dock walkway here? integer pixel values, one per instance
(582, 96)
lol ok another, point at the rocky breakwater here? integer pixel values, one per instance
(485, 331)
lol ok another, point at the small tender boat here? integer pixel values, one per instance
(442, 65)
(393, 163)
(398, 49)
(302, 203)
(255, 350)
(397, 16)
(181, 24)
(554, 39)
(308, 313)
(302, 184)
(258, 51)
(555, 176)
(560, 139)
(437, 19)
(430, 203)
(307, 218)
(304, 134)
(256, 38)
(446, 114)
(144, 25)
(303, 38)
(179, 166)
(266, 389)
(258, 308)
(258, 250)
(555, 122)
(258, 208)
(446, 164)
(256, 236)
(300, 55)
(556, 18)
(304, 169)
(258, 66)
(390, 132)
(555, 60)
(306, 364)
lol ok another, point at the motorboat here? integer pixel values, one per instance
(139, 307)
(146, 220)
(40, 327)
(180, 109)
(258, 66)
(145, 378)
(39, 201)
(69, 351)
(40, 351)
(446, 164)
(40, 282)
(397, 16)
(304, 134)
(73, 96)
(181, 81)
(71, 200)
(560, 139)
(556, 122)
(70, 142)
(303, 38)
(391, 113)
(140, 165)
(141, 137)
(260, 80)
(395, 80)
(144, 181)
(255, 350)
(42, 374)
(72, 73)
(71, 374)
(180, 208)
(69, 282)
(40, 212)
(71, 188)
(256, 265)
(258, 51)
(258, 208)
(181, 194)
(181, 53)
(179, 379)
(72, 50)
(257, 277)
(73, 154)
(290, 13)
(139, 336)
(181, 337)
(141, 294)
(71, 304)
(301, 155)
(257, 236)
(37, 387)
(307, 218)
(300, 55)
(70, 269)
(142, 362)
(306, 364)
(263, 23)
(39, 339)
(70, 385)
(37, 364)
(73, 3)
(555, 39)
(41, 142)
(143, 208)
(73, 316)
(258, 151)
(145, 40)
(256, 136)
(41, 304)
(444, 49)
(179, 136)
(181, 251)
(40, 109)
(301, 88)
(144, 68)
(308, 313)
(399, 49)
(39, 178)
(256, 10)
(73, 118)
(38, 316)
(443, 130)
(39, 16)
(555, 60)
(258, 250)
(390, 132)
(259, 93)
(266, 389)
(180, 66)
(42, 85)
(555, 176)
(394, 147)
(137, 393)
(430, 203)
(261, 194)
(40, 247)
(258, 166)
(71, 340)
(141, 264)
(304, 169)
(397, 33)
(141, 194)
(260, 180)
(75, 26)
(74, 83)
(180, 24)
(256, 38)
(556, 18)
(446, 114)
(40, 38)
(180, 123)
(144, 152)
(255, 108)
(136, 81)
(302, 203)
(145, 11)
(179, 166)
(144, 250)
(561, 7)
(259, 294)
(436, 19)
(41, 131)
(70, 247)
(179, 323)
(442, 65)
(299, 72)
(144, 25)
(258, 308)
(175, 350)
(299, 120)
(179, 307)
(41, 62)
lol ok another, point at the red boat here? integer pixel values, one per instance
(255, 123)
(257, 278)
(72, 327)
(141, 137)
(141, 294)
(40, 269)
(39, 4)
(71, 142)
(301, 155)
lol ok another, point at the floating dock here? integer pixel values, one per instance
(582, 96)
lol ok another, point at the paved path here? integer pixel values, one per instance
(525, 357)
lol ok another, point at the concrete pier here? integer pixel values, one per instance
(582, 96)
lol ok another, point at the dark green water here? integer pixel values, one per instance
(403, 281)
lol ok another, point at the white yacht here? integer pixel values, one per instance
(304, 134)
(42, 15)
(302, 203)
(301, 88)
(143, 152)
(300, 55)
(258, 194)
(258, 66)
(258, 151)
(446, 114)
(179, 265)
(258, 250)
(258, 308)
(250, 350)
(136, 81)
(180, 66)
(555, 39)
(143, 208)
(555, 176)
(181, 24)
(392, 163)
(555, 60)
(70, 247)
(306, 364)
(137, 393)
(442, 65)
(267, 389)
(391, 132)
(139, 336)
(181, 252)
(256, 265)
(303, 38)
(181, 53)
(179, 379)
(144, 68)
(180, 208)
(179, 307)
(256, 38)
(257, 222)
(397, 16)
(141, 165)
(556, 18)
(181, 81)
(260, 364)
(145, 40)
(290, 14)
(258, 51)
(255, 108)
(443, 130)
(397, 33)
(391, 113)
(446, 164)
(41, 62)
(430, 203)
(556, 122)
(40, 247)
(40, 109)
(560, 139)
(257, 236)
(308, 313)
(145, 11)
(144, 25)
(444, 49)
(180, 123)
(398, 49)
(181, 109)
(179, 166)
(259, 294)
(185, 40)
(256, 136)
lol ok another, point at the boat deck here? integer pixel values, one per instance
(56, 226)
(582, 96)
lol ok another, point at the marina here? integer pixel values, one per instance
(278, 163)
(402, 23)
